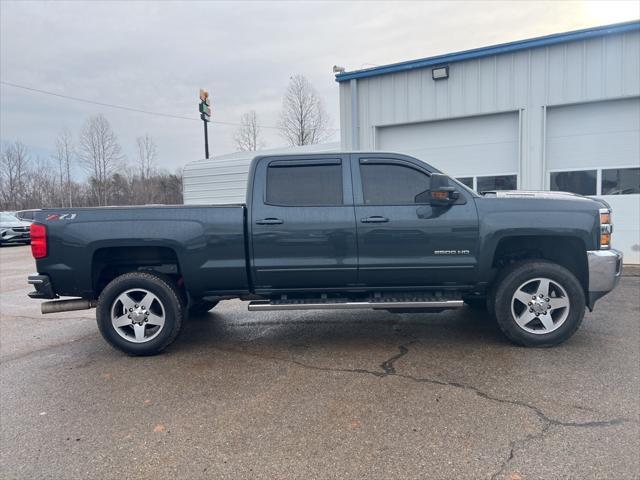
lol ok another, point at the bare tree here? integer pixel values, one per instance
(100, 153)
(303, 119)
(26, 182)
(121, 189)
(41, 186)
(247, 136)
(169, 187)
(147, 154)
(65, 154)
(13, 174)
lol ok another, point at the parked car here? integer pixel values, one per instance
(332, 231)
(26, 215)
(13, 230)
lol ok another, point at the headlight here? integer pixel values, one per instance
(606, 228)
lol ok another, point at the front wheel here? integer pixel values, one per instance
(140, 313)
(539, 303)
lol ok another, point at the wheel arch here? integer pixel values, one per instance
(109, 263)
(567, 251)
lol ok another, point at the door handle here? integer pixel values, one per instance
(374, 219)
(269, 221)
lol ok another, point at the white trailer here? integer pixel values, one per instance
(223, 179)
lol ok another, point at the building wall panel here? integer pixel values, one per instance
(631, 63)
(613, 66)
(593, 68)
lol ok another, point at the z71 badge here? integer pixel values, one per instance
(451, 252)
(64, 216)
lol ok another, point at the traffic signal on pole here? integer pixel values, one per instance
(205, 106)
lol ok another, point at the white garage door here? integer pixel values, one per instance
(462, 147)
(594, 149)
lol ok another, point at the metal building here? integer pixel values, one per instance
(560, 112)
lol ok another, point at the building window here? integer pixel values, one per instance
(304, 185)
(620, 181)
(498, 182)
(582, 182)
(468, 181)
(392, 184)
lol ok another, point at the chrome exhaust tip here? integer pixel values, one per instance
(57, 306)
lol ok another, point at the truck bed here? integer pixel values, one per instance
(207, 241)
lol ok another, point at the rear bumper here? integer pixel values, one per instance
(605, 268)
(43, 286)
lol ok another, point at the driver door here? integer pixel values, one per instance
(403, 241)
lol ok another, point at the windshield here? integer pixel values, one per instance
(8, 217)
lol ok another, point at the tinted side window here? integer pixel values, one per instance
(468, 181)
(392, 184)
(581, 182)
(499, 182)
(304, 185)
(620, 181)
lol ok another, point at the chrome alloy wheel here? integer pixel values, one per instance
(540, 306)
(137, 315)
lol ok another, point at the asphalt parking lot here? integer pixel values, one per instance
(368, 395)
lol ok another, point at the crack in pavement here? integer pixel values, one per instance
(516, 445)
(388, 369)
(388, 366)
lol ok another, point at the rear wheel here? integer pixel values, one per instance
(140, 313)
(538, 303)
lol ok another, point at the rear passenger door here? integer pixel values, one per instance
(303, 223)
(402, 240)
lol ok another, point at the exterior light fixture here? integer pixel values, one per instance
(440, 73)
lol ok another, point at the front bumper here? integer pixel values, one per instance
(10, 235)
(605, 268)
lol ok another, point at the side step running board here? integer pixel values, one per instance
(261, 305)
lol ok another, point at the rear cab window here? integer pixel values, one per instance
(309, 183)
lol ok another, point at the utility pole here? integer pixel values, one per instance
(205, 116)
(206, 139)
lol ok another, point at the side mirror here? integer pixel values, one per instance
(441, 192)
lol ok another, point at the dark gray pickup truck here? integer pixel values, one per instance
(332, 231)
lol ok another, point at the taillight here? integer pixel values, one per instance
(38, 240)
(606, 228)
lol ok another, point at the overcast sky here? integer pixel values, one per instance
(156, 55)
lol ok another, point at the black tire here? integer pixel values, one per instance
(166, 294)
(517, 275)
(200, 307)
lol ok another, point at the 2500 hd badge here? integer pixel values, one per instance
(451, 252)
